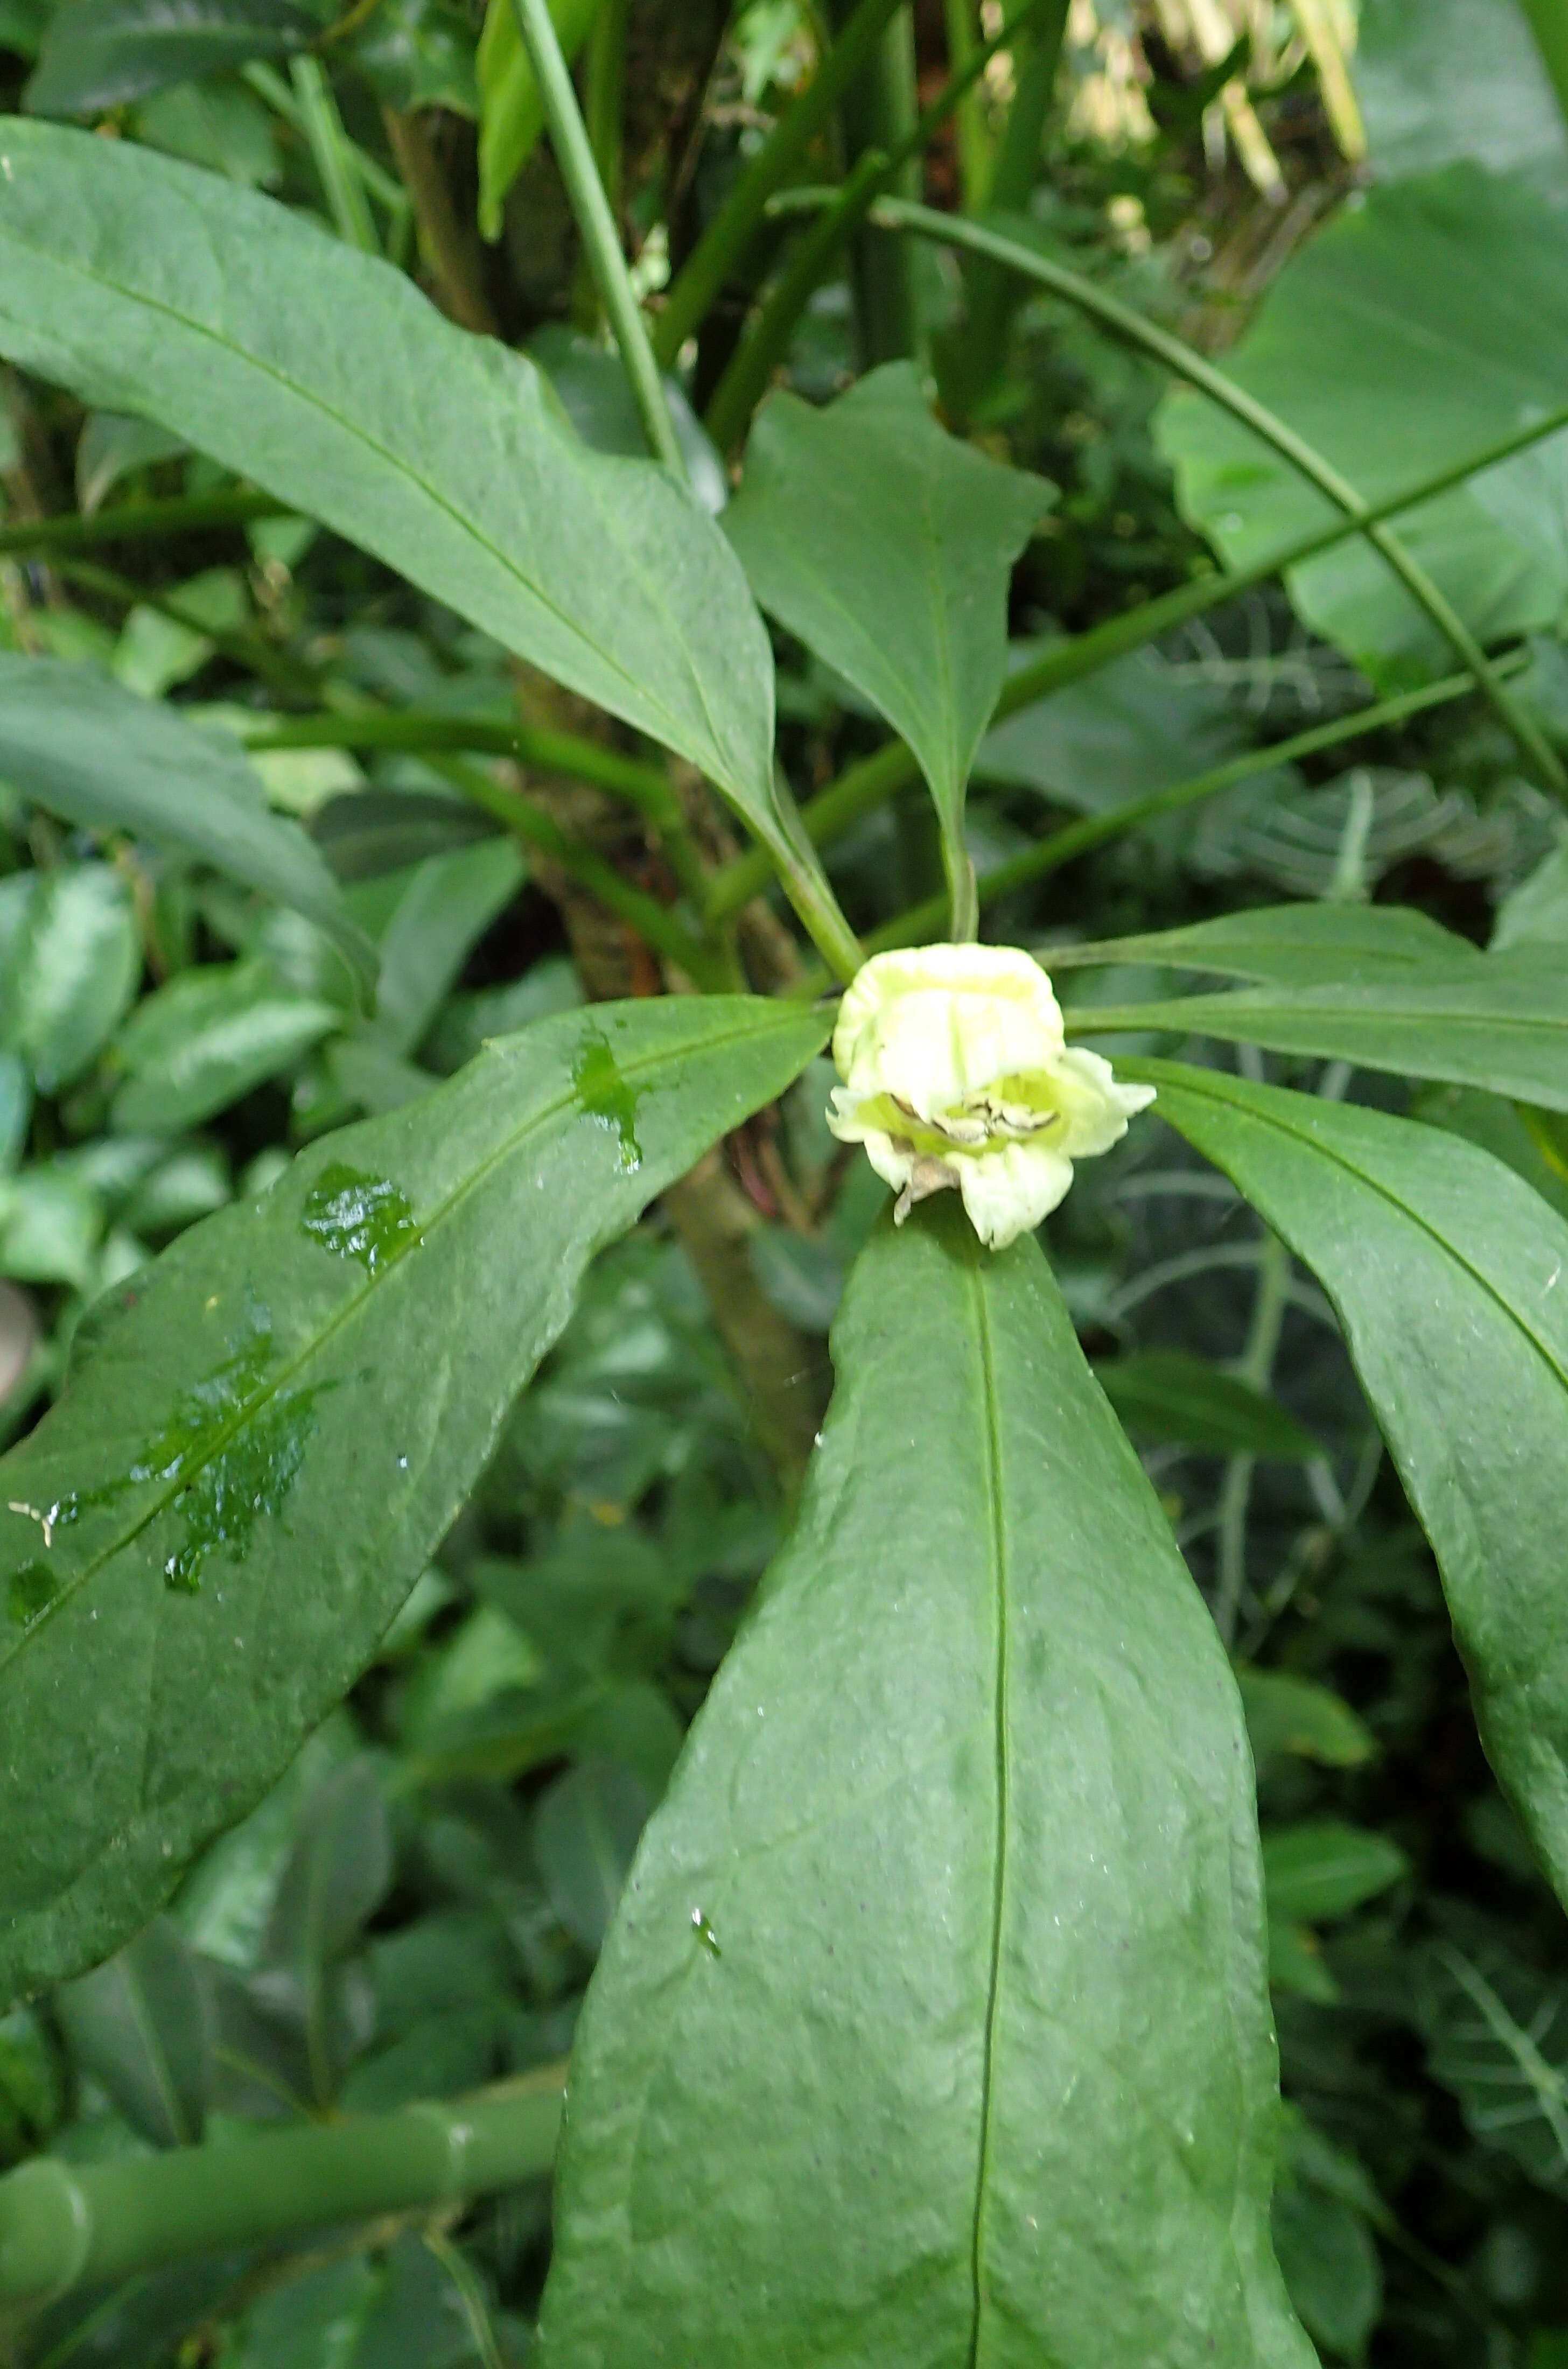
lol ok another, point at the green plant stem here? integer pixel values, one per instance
(323, 128)
(379, 184)
(961, 82)
(643, 786)
(975, 147)
(894, 214)
(1548, 23)
(1256, 1366)
(878, 112)
(99, 2223)
(662, 929)
(818, 909)
(992, 290)
(135, 522)
(864, 787)
(596, 224)
(745, 381)
(1048, 856)
(752, 366)
(290, 676)
(733, 228)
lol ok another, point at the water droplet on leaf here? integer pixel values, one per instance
(360, 1216)
(603, 1094)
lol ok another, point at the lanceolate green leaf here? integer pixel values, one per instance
(1439, 298)
(139, 2026)
(100, 53)
(1167, 1394)
(1449, 1274)
(97, 755)
(212, 1034)
(1290, 945)
(70, 962)
(932, 2026)
(887, 546)
(260, 1451)
(1498, 1021)
(326, 378)
(1323, 1868)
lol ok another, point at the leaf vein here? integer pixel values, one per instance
(244, 1415)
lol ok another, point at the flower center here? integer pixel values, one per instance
(981, 1119)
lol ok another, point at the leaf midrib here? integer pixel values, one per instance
(349, 1309)
(997, 1558)
(404, 468)
(1295, 1132)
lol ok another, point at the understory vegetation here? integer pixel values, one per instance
(303, 806)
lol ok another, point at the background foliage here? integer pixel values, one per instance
(416, 1909)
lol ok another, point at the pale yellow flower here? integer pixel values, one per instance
(958, 1074)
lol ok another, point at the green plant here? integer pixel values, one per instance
(929, 2014)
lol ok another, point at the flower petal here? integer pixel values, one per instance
(1096, 1107)
(932, 1024)
(894, 1163)
(1007, 1191)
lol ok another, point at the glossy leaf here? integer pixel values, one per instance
(1526, 1139)
(1167, 1394)
(1449, 1276)
(364, 833)
(95, 754)
(146, 286)
(445, 909)
(70, 959)
(1439, 298)
(193, 1048)
(886, 546)
(1289, 945)
(400, 2311)
(139, 2025)
(1322, 1868)
(1500, 1022)
(869, 2070)
(417, 53)
(100, 53)
(334, 1880)
(1287, 1713)
(585, 1832)
(252, 1463)
(51, 1220)
(1324, 2209)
